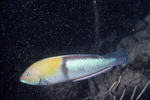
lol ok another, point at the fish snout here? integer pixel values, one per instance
(22, 79)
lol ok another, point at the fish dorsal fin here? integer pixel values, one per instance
(92, 75)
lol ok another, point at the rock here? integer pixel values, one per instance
(148, 30)
(126, 42)
(140, 25)
(130, 79)
(93, 87)
(147, 19)
(141, 35)
(133, 48)
(141, 61)
(136, 73)
(65, 91)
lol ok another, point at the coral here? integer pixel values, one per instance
(117, 84)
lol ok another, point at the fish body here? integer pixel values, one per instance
(59, 69)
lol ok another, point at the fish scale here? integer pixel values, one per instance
(92, 66)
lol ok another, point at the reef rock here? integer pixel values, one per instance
(147, 19)
(136, 73)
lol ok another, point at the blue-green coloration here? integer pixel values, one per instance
(85, 66)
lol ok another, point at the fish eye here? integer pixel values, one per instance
(27, 74)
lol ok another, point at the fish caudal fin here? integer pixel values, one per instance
(120, 55)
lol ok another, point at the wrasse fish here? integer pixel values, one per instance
(71, 67)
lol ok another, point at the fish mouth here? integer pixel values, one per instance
(23, 81)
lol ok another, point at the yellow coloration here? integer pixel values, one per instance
(48, 67)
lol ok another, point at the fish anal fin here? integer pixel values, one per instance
(92, 75)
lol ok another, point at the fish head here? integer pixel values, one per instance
(30, 76)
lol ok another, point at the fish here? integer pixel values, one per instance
(74, 67)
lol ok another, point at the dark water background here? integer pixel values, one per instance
(32, 30)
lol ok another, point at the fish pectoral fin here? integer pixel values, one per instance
(43, 81)
(43, 78)
(92, 75)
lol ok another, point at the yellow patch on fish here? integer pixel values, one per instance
(49, 66)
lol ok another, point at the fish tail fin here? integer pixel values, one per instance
(120, 56)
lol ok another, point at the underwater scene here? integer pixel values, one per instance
(75, 50)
